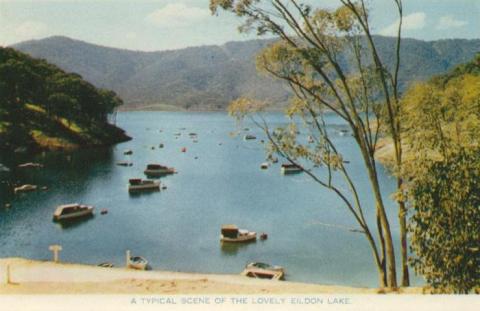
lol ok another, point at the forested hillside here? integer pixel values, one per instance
(209, 77)
(43, 107)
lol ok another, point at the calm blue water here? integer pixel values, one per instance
(178, 228)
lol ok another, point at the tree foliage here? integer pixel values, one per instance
(442, 122)
(27, 81)
(445, 222)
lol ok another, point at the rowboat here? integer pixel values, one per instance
(262, 270)
(137, 262)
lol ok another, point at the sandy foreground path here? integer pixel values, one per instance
(46, 277)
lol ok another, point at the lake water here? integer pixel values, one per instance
(219, 181)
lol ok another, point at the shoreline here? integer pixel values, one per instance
(46, 277)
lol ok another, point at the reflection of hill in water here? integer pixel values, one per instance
(69, 172)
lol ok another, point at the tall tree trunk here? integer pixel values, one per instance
(402, 216)
(383, 276)
(389, 250)
(380, 208)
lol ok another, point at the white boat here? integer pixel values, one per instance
(138, 184)
(157, 170)
(290, 169)
(262, 270)
(137, 262)
(25, 188)
(70, 211)
(30, 165)
(231, 233)
(3, 168)
(264, 165)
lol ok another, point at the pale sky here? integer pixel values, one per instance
(169, 24)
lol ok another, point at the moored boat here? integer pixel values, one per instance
(124, 163)
(290, 169)
(137, 262)
(138, 184)
(30, 165)
(249, 137)
(25, 188)
(71, 211)
(231, 233)
(156, 170)
(263, 271)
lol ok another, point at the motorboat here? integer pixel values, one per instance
(71, 211)
(262, 270)
(231, 233)
(137, 262)
(124, 163)
(264, 165)
(138, 184)
(249, 137)
(25, 188)
(156, 170)
(30, 165)
(290, 169)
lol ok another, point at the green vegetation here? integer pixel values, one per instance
(41, 106)
(209, 77)
(444, 226)
(442, 122)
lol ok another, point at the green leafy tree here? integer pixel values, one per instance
(313, 50)
(30, 87)
(445, 222)
(442, 122)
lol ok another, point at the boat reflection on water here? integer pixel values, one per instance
(232, 249)
(68, 224)
(140, 194)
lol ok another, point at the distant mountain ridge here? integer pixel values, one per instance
(209, 77)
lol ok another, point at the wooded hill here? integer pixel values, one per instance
(43, 107)
(209, 77)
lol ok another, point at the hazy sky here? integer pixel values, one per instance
(170, 24)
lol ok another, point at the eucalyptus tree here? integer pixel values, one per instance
(330, 60)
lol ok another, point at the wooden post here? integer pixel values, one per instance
(9, 281)
(127, 258)
(55, 249)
